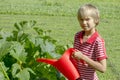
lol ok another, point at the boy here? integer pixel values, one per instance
(90, 53)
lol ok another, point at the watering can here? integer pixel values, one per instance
(65, 64)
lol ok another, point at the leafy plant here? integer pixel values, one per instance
(19, 50)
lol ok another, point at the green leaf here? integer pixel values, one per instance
(18, 52)
(31, 71)
(21, 37)
(3, 74)
(39, 31)
(18, 71)
(17, 26)
(24, 29)
(5, 47)
(4, 35)
(3, 66)
(31, 23)
(15, 69)
(2, 77)
(24, 74)
(38, 41)
(49, 48)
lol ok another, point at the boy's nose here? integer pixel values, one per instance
(84, 22)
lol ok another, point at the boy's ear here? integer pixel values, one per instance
(96, 21)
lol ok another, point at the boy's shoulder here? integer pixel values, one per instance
(79, 33)
(99, 39)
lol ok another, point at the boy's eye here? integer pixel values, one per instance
(87, 19)
(81, 19)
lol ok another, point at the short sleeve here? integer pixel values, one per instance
(100, 50)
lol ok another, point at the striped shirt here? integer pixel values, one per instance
(94, 48)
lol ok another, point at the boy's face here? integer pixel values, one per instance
(87, 23)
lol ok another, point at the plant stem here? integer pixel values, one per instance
(4, 72)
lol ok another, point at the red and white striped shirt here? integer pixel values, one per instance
(94, 48)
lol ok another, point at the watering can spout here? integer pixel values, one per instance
(48, 61)
(65, 65)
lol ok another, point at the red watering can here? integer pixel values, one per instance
(65, 65)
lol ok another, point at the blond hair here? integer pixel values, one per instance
(88, 10)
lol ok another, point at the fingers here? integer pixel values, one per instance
(75, 50)
(75, 54)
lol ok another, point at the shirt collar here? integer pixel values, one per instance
(91, 39)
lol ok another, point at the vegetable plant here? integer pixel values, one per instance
(20, 48)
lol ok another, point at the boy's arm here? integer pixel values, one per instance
(98, 65)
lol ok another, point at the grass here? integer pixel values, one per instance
(60, 17)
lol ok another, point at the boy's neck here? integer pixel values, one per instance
(89, 33)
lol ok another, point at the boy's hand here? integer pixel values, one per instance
(77, 55)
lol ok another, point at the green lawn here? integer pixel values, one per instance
(60, 17)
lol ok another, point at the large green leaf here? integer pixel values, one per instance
(49, 47)
(4, 35)
(5, 47)
(15, 68)
(18, 52)
(24, 74)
